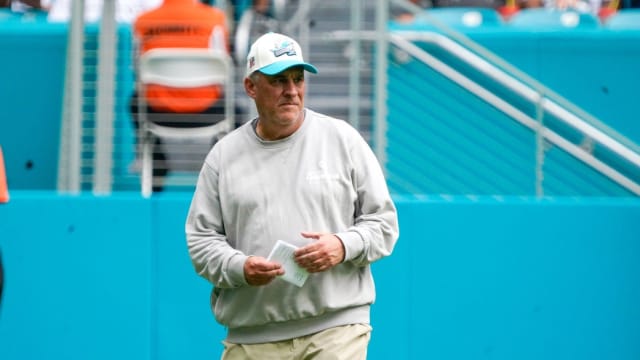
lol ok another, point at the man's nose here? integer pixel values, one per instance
(290, 86)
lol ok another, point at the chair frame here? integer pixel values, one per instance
(181, 68)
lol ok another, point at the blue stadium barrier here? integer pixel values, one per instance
(32, 66)
(32, 60)
(471, 277)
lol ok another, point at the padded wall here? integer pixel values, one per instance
(33, 56)
(32, 67)
(502, 278)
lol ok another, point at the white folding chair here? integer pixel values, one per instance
(181, 68)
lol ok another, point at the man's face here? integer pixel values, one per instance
(279, 98)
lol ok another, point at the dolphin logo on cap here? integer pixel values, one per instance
(285, 48)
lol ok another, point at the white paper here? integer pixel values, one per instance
(282, 253)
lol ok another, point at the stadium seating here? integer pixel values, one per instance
(542, 19)
(624, 19)
(461, 17)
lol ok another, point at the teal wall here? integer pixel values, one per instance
(32, 76)
(471, 278)
(32, 66)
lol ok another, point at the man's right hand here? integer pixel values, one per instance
(260, 271)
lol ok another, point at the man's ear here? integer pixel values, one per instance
(250, 87)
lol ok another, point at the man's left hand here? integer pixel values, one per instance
(321, 255)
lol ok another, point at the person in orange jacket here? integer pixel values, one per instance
(180, 24)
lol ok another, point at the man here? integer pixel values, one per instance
(180, 24)
(21, 6)
(126, 10)
(310, 180)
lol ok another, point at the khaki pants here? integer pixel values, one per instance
(347, 342)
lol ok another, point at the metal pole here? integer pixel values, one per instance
(304, 29)
(354, 64)
(382, 46)
(540, 147)
(70, 153)
(103, 160)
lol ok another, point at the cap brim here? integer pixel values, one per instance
(281, 66)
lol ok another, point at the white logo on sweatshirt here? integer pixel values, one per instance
(321, 175)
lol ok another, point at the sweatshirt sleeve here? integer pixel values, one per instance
(375, 230)
(211, 255)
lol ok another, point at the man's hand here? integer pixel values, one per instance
(321, 255)
(260, 271)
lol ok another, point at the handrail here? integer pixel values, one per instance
(299, 18)
(279, 9)
(514, 84)
(402, 39)
(70, 152)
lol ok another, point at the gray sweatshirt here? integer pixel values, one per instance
(251, 192)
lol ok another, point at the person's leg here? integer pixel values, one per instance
(349, 342)
(159, 159)
(134, 111)
(280, 350)
(160, 165)
(212, 115)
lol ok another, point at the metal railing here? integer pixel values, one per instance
(403, 40)
(353, 33)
